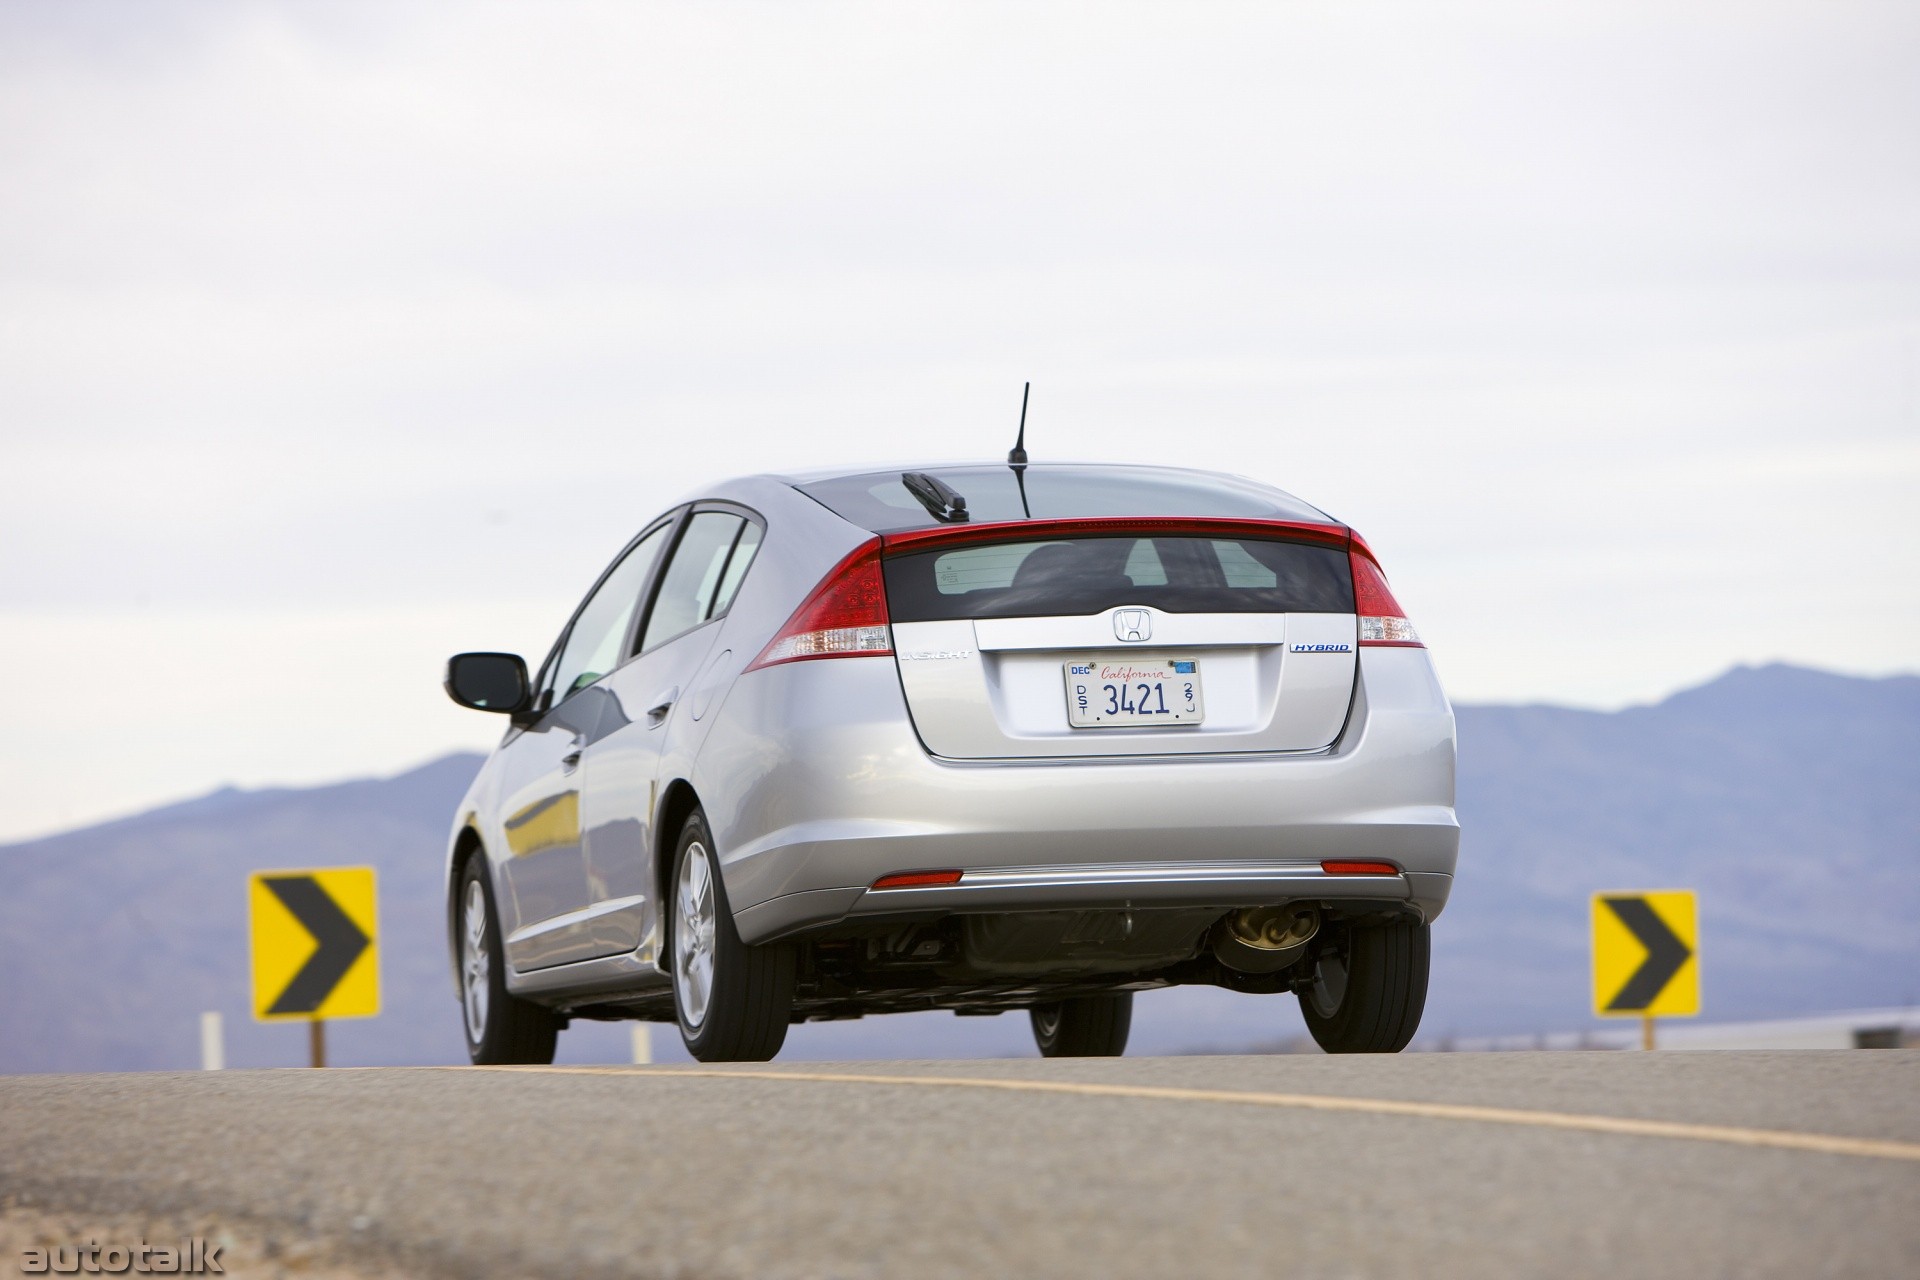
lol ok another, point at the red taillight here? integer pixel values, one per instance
(916, 879)
(1360, 868)
(1382, 620)
(845, 617)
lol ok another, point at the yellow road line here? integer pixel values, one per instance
(1825, 1144)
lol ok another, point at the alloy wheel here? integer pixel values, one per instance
(476, 965)
(1329, 987)
(694, 924)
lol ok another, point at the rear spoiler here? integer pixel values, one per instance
(954, 535)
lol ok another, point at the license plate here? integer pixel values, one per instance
(1133, 693)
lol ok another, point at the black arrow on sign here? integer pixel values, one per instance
(341, 942)
(1665, 954)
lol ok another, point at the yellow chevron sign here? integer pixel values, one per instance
(315, 944)
(1645, 961)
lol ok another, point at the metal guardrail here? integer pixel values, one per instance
(1891, 1028)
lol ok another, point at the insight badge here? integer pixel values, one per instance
(1322, 648)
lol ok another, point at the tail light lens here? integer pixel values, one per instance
(1382, 620)
(845, 617)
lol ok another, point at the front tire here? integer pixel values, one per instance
(1368, 992)
(733, 1001)
(501, 1028)
(1084, 1027)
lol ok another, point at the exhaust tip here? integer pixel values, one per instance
(1265, 939)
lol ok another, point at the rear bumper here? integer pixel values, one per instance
(807, 819)
(1096, 886)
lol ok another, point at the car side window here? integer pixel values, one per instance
(736, 571)
(593, 646)
(691, 586)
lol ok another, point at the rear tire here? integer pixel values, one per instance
(501, 1028)
(1084, 1027)
(1367, 994)
(732, 1001)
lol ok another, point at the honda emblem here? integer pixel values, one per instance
(1132, 624)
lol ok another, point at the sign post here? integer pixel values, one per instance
(315, 948)
(1644, 956)
(213, 1049)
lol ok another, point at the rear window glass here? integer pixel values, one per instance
(1087, 575)
(882, 502)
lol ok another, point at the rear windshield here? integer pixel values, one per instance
(1086, 575)
(882, 502)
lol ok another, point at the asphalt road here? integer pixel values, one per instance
(1594, 1164)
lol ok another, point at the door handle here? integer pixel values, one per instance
(657, 714)
(571, 761)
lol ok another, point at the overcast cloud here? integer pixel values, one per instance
(334, 339)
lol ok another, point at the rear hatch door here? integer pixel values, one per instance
(1077, 639)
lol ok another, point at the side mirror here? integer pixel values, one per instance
(488, 681)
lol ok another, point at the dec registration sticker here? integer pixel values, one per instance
(1133, 694)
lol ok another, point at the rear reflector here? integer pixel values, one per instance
(1360, 868)
(1382, 620)
(915, 879)
(845, 617)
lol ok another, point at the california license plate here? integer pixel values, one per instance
(1133, 694)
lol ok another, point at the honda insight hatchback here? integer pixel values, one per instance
(976, 738)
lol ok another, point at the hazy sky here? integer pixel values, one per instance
(334, 339)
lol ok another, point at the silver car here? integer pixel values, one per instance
(978, 738)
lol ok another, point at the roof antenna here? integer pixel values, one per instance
(1017, 456)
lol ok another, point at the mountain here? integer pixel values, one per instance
(1786, 797)
(117, 936)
